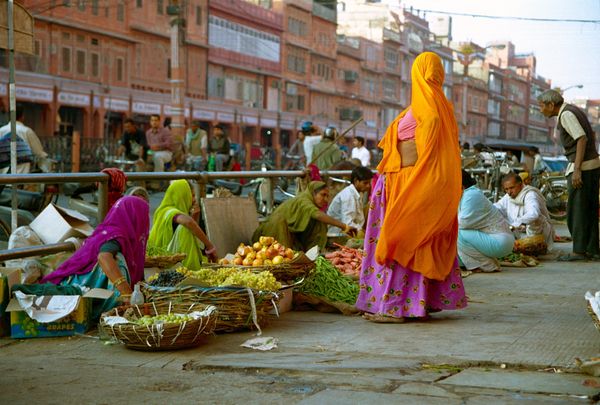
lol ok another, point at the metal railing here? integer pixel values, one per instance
(200, 181)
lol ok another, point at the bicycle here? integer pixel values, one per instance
(555, 192)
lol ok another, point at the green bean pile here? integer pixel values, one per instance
(327, 281)
(157, 251)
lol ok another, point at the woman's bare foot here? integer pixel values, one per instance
(378, 318)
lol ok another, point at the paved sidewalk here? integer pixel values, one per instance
(516, 342)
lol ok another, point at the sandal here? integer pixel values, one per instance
(382, 318)
(572, 258)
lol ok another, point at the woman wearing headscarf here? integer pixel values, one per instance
(117, 181)
(299, 223)
(175, 226)
(410, 268)
(112, 257)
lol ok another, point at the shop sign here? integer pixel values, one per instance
(96, 102)
(268, 123)
(115, 104)
(203, 115)
(169, 111)
(287, 124)
(225, 117)
(145, 108)
(30, 93)
(249, 120)
(73, 99)
(3, 90)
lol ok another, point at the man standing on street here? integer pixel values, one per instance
(583, 173)
(160, 143)
(360, 152)
(27, 135)
(219, 145)
(133, 145)
(326, 153)
(196, 143)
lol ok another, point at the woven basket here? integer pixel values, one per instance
(593, 315)
(168, 336)
(238, 308)
(531, 246)
(164, 261)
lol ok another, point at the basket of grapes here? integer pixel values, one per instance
(161, 258)
(151, 327)
(243, 298)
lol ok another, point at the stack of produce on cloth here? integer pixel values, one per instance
(325, 284)
(347, 260)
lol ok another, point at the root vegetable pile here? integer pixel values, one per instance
(347, 260)
(266, 252)
(327, 281)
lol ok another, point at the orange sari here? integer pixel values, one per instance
(420, 227)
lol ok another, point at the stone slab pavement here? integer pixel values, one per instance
(516, 342)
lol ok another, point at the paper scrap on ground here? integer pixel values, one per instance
(261, 343)
(594, 300)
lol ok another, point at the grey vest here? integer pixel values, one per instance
(569, 143)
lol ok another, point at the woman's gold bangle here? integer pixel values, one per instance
(119, 281)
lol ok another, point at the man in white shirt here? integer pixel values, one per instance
(360, 152)
(27, 134)
(583, 173)
(525, 209)
(347, 205)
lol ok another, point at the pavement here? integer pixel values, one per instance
(516, 342)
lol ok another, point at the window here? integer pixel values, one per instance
(80, 38)
(80, 62)
(66, 59)
(120, 69)
(494, 108)
(94, 41)
(389, 88)
(95, 62)
(67, 3)
(81, 5)
(139, 3)
(216, 87)
(296, 63)
(38, 48)
(95, 7)
(391, 58)
(168, 68)
(120, 12)
(160, 7)
(66, 36)
(296, 27)
(198, 15)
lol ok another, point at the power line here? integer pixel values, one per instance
(498, 17)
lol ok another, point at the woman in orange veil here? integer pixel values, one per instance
(410, 267)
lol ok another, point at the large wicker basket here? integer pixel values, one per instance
(238, 308)
(164, 261)
(166, 336)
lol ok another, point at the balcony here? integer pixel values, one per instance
(389, 35)
(324, 12)
(251, 12)
(303, 4)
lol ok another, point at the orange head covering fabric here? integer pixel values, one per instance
(420, 227)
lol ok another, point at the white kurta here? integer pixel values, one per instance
(529, 209)
(363, 155)
(346, 207)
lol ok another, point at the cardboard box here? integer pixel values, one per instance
(77, 321)
(55, 224)
(8, 278)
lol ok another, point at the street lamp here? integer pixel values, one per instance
(575, 86)
(466, 55)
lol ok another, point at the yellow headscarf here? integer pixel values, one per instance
(177, 200)
(420, 227)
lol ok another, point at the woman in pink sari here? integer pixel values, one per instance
(112, 257)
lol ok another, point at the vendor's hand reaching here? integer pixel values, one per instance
(351, 231)
(212, 254)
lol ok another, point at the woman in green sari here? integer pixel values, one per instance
(299, 222)
(175, 226)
